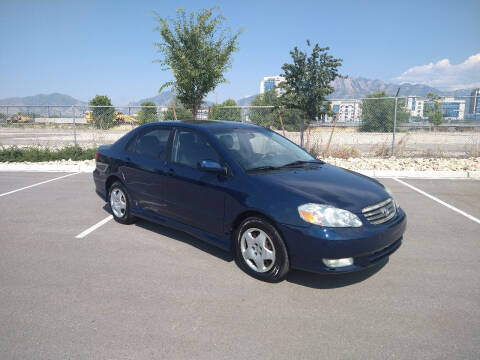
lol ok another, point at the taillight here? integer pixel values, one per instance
(96, 156)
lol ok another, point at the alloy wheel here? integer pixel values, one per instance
(257, 250)
(118, 202)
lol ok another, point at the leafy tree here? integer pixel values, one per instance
(378, 113)
(148, 112)
(197, 48)
(269, 117)
(307, 81)
(217, 112)
(433, 109)
(103, 117)
(266, 116)
(182, 113)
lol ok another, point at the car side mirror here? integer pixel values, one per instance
(212, 166)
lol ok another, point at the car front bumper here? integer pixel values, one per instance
(367, 245)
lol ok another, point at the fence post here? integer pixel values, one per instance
(302, 126)
(74, 128)
(395, 122)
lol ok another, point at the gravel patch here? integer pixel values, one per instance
(407, 164)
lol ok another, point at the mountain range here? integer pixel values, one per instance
(43, 99)
(350, 87)
(345, 88)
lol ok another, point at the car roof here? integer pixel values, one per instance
(206, 124)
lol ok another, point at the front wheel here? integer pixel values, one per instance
(120, 203)
(261, 251)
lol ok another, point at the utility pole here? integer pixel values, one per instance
(395, 122)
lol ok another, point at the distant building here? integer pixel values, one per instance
(415, 105)
(452, 108)
(202, 114)
(270, 82)
(474, 102)
(347, 110)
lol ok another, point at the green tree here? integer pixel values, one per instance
(104, 116)
(148, 112)
(269, 117)
(264, 116)
(378, 113)
(433, 109)
(308, 81)
(218, 112)
(182, 113)
(198, 49)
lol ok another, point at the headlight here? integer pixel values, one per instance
(389, 192)
(326, 215)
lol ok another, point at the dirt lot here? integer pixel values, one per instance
(147, 292)
(413, 143)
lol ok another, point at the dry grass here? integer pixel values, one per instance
(473, 149)
(315, 150)
(400, 146)
(382, 150)
(343, 152)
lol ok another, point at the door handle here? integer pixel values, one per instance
(171, 172)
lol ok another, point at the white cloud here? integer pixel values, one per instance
(444, 75)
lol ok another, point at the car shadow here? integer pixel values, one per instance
(332, 281)
(180, 236)
(185, 238)
(303, 278)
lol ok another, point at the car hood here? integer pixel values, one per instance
(326, 184)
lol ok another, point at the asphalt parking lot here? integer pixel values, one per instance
(147, 292)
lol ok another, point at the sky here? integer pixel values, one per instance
(83, 48)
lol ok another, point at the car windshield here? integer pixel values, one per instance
(261, 149)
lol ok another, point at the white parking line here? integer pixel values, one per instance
(461, 212)
(40, 183)
(94, 227)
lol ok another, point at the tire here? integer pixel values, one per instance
(260, 250)
(119, 202)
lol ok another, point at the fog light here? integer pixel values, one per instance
(336, 263)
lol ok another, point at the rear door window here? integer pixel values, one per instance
(153, 143)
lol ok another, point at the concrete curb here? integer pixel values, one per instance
(87, 168)
(47, 167)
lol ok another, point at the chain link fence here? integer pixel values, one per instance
(368, 127)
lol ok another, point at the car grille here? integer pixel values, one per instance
(381, 212)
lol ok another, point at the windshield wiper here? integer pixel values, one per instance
(260, 168)
(291, 164)
(301, 162)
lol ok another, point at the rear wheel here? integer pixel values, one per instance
(120, 203)
(261, 251)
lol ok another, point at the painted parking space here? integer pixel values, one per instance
(59, 207)
(146, 291)
(463, 193)
(11, 181)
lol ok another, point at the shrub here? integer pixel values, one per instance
(148, 113)
(36, 154)
(218, 112)
(104, 113)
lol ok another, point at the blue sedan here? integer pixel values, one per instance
(248, 190)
